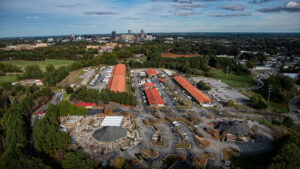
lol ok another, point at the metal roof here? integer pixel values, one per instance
(117, 81)
(153, 96)
(112, 121)
(234, 127)
(151, 72)
(197, 94)
(109, 133)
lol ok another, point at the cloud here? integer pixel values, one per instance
(259, 1)
(32, 17)
(99, 13)
(189, 6)
(66, 6)
(232, 7)
(228, 15)
(290, 6)
(183, 1)
(186, 13)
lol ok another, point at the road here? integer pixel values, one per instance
(294, 114)
(58, 96)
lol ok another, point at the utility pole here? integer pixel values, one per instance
(227, 70)
(270, 90)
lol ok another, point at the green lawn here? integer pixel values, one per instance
(234, 80)
(22, 63)
(275, 107)
(8, 78)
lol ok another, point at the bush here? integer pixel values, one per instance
(201, 85)
(69, 90)
(258, 102)
(288, 122)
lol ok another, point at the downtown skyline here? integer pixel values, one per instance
(62, 17)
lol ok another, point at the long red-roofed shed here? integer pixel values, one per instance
(117, 82)
(154, 97)
(197, 94)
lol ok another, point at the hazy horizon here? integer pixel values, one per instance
(64, 17)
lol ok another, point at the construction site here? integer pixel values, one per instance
(101, 133)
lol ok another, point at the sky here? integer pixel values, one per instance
(19, 18)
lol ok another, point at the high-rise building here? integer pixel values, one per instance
(113, 34)
(129, 32)
(142, 33)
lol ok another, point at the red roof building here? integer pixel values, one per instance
(151, 72)
(148, 85)
(86, 105)
(197, 94)
(117, 82)
(153, 97)
(162, 80)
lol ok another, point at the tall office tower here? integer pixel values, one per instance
(113, 34)
(129, 32)
(142, 33)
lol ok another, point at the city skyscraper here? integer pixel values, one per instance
(113, 34)
(142, 33)
(129, 32)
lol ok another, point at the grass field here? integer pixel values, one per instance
(22, 63)
(73, 77)
(237, 81)
(277, 107)
(8, 78)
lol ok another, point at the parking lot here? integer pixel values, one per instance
(221, 91)
(102, 80)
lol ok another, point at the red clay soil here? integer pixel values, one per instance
(173, 55)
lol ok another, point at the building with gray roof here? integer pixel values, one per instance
(234, 127)
(109, 134)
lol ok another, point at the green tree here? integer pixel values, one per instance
(77, 160)
(257, 101)
(32, 72)
(288, 122)
(201, 85)
(47, 135)
(70, 90)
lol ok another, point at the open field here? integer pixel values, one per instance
(8, 78)
(233, 80)
(72, 78)
(55, 62)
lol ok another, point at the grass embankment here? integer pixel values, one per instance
(8, 78)
(72, 78)
(55, 62)
(276, 107)
(233, 80)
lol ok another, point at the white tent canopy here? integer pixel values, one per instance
(112, 121)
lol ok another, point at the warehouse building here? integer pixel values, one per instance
(154, 98)
(151, 73)
(194, 92)
(117, 81)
